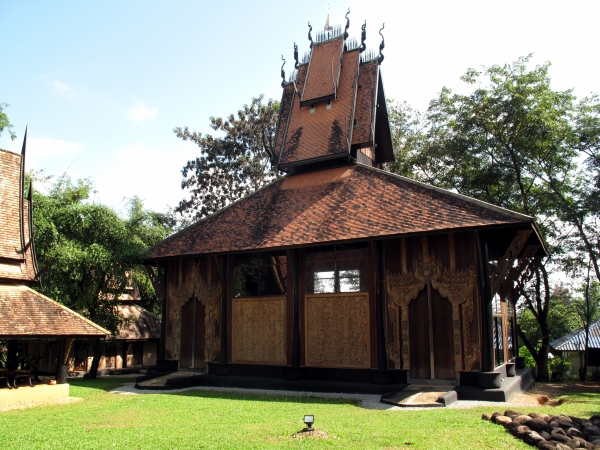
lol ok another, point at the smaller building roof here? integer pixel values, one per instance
(25, 313)
(141, 324)
(575, 341)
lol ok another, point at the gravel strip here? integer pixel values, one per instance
(31, 404)
(366, 401)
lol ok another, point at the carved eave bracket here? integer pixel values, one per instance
(507, 261)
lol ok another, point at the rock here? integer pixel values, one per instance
(538, 425)
(560, 446)
(560, 438)
(523, 418)
(573, 432)
(533, 438)
(545, 435)
(563, 417)
(512, 414)
(590, 430)
(558, 431)
(514, 425)
(595, 441)
(546, 445)
(502, 420)
(496, 413)
(521, 431)
(545, 417)
(534, 415)
(486, 417)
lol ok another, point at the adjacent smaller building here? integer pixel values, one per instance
(572, 346)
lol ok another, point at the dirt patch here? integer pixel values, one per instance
(32, 404)
(315, 433)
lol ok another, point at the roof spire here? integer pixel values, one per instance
(282, 72)
(347, 24)
(309, 35)
(328, 26)
(382, 45)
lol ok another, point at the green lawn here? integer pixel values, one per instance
(202, 419)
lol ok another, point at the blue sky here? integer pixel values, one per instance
(102, 84)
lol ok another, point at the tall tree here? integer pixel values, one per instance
(233, 165)
(86, 252)
(511, 141)
(5, 123)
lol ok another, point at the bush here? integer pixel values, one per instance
(559, 368)
(529, 361)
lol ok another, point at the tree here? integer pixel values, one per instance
(5, 123)
(511, 141)
(86, 252)
(232, 166)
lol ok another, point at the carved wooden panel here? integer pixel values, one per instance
(258, 330)
(191, 285)
(337, 330)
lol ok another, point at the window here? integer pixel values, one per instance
(260, 274)
(337, 269)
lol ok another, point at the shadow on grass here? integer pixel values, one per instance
(100, 384)
(263, 398)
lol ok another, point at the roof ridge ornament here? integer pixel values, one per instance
(309, 35)
(282, 72)
(381, 46)
(363, 37)
(297, 64)
(347, 24)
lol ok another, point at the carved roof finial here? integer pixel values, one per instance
(363, 37)
(347, 25)
(310, 35)
(296, 56)
(382, 45)
(282, 72)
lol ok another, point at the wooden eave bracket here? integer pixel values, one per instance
(508, 259)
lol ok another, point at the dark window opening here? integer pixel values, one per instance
(260, 274)
(337, 269)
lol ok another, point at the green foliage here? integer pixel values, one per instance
(232, 166)
(5, 123)
(85, 251)
(559, 367)
(529, 360)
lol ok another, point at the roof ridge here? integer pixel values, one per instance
(63, 307)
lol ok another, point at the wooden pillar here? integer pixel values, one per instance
(61, 368)
(381, 350)
(163, 321)
(487, 340)
(224, 322)
(295, 266)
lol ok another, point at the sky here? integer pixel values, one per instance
(101, 85)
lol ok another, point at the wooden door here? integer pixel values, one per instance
(443, 337)
(418, 316)
(186, 358)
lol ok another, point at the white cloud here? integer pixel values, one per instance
(64, 88)
(139, 113)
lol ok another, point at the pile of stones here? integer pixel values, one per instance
(549, 432)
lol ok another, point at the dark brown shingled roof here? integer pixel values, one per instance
(365, 104)
(10, 217)
(323, 70)
(142, 326)
(347, 203)
(27, 313)
(326, 130)
(23, 270)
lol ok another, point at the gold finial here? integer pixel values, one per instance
(328, 26)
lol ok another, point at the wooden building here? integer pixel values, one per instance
(28, 318)
(340, 270)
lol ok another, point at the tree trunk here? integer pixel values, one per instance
(97, 354)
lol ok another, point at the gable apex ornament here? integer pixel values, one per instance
(297, 64)
(347, 25)
(282, 72)
(363, 37)
(310, 35)
(382, 45)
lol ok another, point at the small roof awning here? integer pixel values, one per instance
(25, 313)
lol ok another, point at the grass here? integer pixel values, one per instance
(204, 419)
